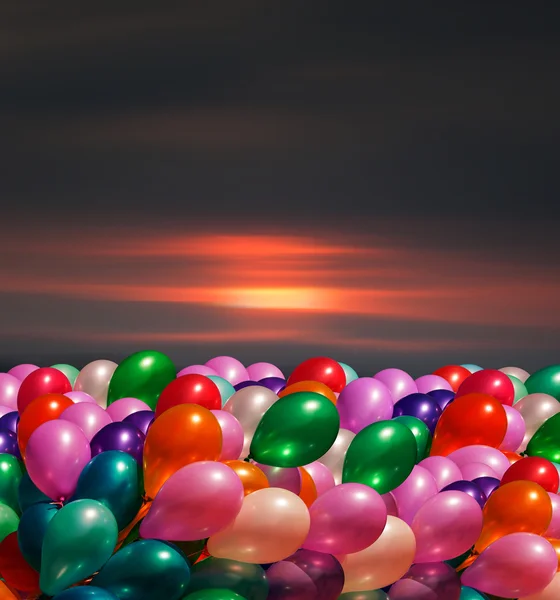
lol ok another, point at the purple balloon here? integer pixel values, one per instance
(9, 388)
(119, 436)
(196, 370)
(429, 383)
(399, 382)
(141, 420)
(9, 443)
(429, 581)
(244, 384)
(362, 402)
(10, 421)
(124, 407)
(467, 487)
(442, 397)
(487, 484)
(22, 371)
(422, 407)
(275, 384)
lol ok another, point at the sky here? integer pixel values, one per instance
(372, 182)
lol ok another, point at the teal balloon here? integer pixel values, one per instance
(468, 593)
(246, 579)
(146, 570)
(114, 479)
(472, 368)
(29, 493)
(421, 434)
(32, 528)
(351, 375)
(10, 478)
(68, 370)
(79, 540)
(368, 595)
(215, 594)
(85, 592)
(545, 381)
(519, 389)
(224, 386)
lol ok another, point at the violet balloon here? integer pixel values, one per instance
(443, 470)
(89, 417)
(362, 402)
(411, 495)
(232, 435)
(244, 384)
(321, 475)
(467, 487)
(141, 419)
(119, 410)
(487, 484)
(422, 407)
(515, 429)
(399, 382)
(262, 370)
(79, 397)
(429, 383)
(442, 397)
(492, 457)
(119, 436)
(276, 384)
(431, 581)
(390, 504)
(196, 370)
(10, 421)
(229, 368)
(287, 478)
(9, 443)
(9, 388)
(22, 371)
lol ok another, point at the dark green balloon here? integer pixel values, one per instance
(215, 594)
(10, 478)
(29, 493)
(31, 531)
(369, 595)
(545, 381)
(85, 592)
(145, 570)
(246, 579)
(142, 375)
(382, 456)
(421, 434)
(9, 521)
(546, 440)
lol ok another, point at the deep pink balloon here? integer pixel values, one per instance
(431, 581)
(486, 455)
(515, 429)
(418, 487)
(443, 470)
(56, 453)
(232, 435)
(476, 470)
(518, 564)
(362, 402)
(390, 504)
(119, 410)
(80, 397)
(262, 370)
(346, 519)
(9, 388)
(89, 417)
(196, 502)
(429, 383)
(321, 475)
(399, 382)
(287, 478)
(22, 371)
(229, 368)
(196, 370)
(553, 530)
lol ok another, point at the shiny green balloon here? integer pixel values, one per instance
(224, 386)
(546, 440)
(242, 578)
(351, 375)
(10, 478)
(421, 434)
(215, 594)
(545, 381)
(519, 389)
(9, 521)
(145, 570)
(296, 430)
(382, 456)
(29, 493)
(79, 540)
(369, 595)
(468, 593)
(85, 592)
(142, 375)
(32, 528)
(68, 370)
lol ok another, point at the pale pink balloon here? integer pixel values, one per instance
(22, 371)
(535, 410)
(553, 530)
(287, 478)
(94, 380)
(429, 383)
(196, 502)
(443, 470)
(119, 410)
(80, 397)
(232, 435)
(390, 504)
(418, 487)
(262, 370)
(322, 477)
(229, 368)
(550, 592)
(446, 526)
(196, 370)
(521, 374)
(475, 470)
(334, 458)
(486, 455)
(88, 416)
(9, 388)
(515, 430)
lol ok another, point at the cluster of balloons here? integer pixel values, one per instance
(226, 482)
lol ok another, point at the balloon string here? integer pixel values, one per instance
(467, 562)
(142, 512)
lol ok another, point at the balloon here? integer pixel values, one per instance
(232, 435)
(308, 490)
(286, 478)
(22, 371)
(79, 540)
(349, 372)
(31, 532)
(471, 419)
(382, 456)
(94, 380)
(536, 469)
(229, 368)
(10, 421)
(442, 397)
(443, 470)
(214, 594)
(486, 484)
(182, 435)
(85, 592)
(421, 406)
(429, 383)
(6, 593)
(520, 391)
(308, 386)
(435, 581)
(190, 389)
(145, 570)
(261, 370)
(476, 470)
(10, 477)
(244, 384)
(367, 595)
(29, 494)
(481, 454)
(114, 479)
(399, 383)
(362, 402)
(468, 593)
(535, 410)
(546, 440)
(197, 370)
(322, 477)
(56, 454)
(14, 568)
(141, 419)
(9, 388)
(553, 530)
(418, 487)
(322, 369)
(382, 563)
(421, 434)
(224, 387)
(9, 443)
(550, 592)
(39, 383)
(124, 407)
(8, 521)
(68, 370)
(251, 476)
(454, 375)
(119, 436)
(472, 368)
(295, 430)
(334, 458)
(77, 397)
(513, 457)
(275, 384)
(491, 382)
(515, 430)
(272, 525)
(545, 381)
(467, 487)
(516, 372)
(503, 568)
(89, 417)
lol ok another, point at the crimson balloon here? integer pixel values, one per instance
(536, 469)
(322, 369)
(190, 389)
(491, 382)
(40, 382)
(454, 375)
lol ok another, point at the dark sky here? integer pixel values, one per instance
(377, 182)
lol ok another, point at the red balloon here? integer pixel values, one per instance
(535, 469)
(14, 568)
(454, 375)
(190, 389)
(491, 382)
(40, 382)
(322, 369)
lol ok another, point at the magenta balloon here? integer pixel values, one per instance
(22, 371)
(446, 526)
(515, 429)
(56, 453)
(429, 383)
(399, 382)
(89, 417)
(321, 475)
(232, 435)
(286, 581)
(196, 370)
(362, 402)
(518, 564)
(431, 581)
(9, 387)
(262, 370)
(476, 470)
(79, 397)
(417, 488)
(553, 530)
(119, 410)
(486, 455)
(346, 519)
(390, 504)
(229, 368)
(196, 502)
(443, 470)
(287, 478)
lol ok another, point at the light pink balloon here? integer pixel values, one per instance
(119, 410)
(390, 504)
(399, 382)
(229, 368)
(418, 487)
(475, 470)
(535, 410)
(486, 455)
(4, 410)
(515, 429)
(80, 397)
(88, 416)
(521, 374)
(550, 592)
(232, 435)
(516, 565)
(429, 383)
(287, 478)
(196, 502)
(22, 371)
(446, 526)
(346, 519)
(261, 370)
(553, 530)
(321, 475)
(56, 453)
(196, 370)
(443, 470)
(9, 388)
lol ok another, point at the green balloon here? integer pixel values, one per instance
(546, 440)
(10, 478)
(224, 386)
(145, 570)
(242, 578)
(215, 594)
(68, 370)
(79, 540)
(9, 521)
(295, 431)
(382, 455)
(520, 391)
(545, 381)
(421, 434)
(369, 595)
(468, 593)
(351, 375)
(142, 375)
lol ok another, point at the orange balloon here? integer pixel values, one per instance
(513, 457)
(180, 436)
(6, 593)
(519, 506)
(251, 476)
(469, 420)
(556, 545)
(308, 492)
(309, 386)
(44, 408)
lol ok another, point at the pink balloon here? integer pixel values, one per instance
(475, 470)
(446, 526)
(399, 382)
(229, 368)
(9, 388)
(287, 478)
(56, 453)
(196, 370)
(443, 470)
(418, 487)
(481, 454)
(88, 416)
(22, 371)
(516, 565)
(362, 402)
(119, 410)
(515, 429)
(553, 530)
(550, 592)
(232, 435)
(196, 502)
(261, 370)
(429, 383)
(390, 504)
(431, 581)
(346, 519)
(4, 410)
(322, 477)
(80, 397)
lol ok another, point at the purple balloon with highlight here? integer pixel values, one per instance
(9, 388)
(90, 418)
(80, 397)
(411, 495)
(196, 370)
(429, 383)
(22, 371)
(422, 407)
(244, 384)
(9, 443)
(429, 581)
(515, 429)
(141, 419)
(119, 410)
(442, 397)
(287, 478)
(467, 487)
(263, 370)
(399, 382)
(229, 368)
(362, 402)
(486, 455)
(487, 484)
(119, 436)
(275, 384)
(10, 421)
(232, 435)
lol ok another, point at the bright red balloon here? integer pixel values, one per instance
(40, 382)
(14, 568)
(535, 469)
(454, 375)
(322, 369)
(190, 389)
(491, 382)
